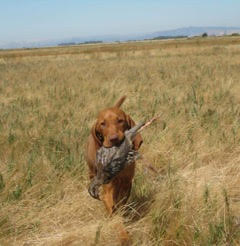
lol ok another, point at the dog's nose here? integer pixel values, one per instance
(113, 138)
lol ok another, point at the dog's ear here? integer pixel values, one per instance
(137, 142)
(97, 136)
(120, 102)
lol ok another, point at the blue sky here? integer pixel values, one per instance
(34, 20)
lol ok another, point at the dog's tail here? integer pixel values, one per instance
(120, 102)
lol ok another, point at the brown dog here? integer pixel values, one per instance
(109, 131)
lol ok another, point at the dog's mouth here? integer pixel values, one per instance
(116, 144)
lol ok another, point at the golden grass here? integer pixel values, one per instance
(49, 99)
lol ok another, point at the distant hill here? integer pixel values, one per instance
(196, 31)
(180, 32)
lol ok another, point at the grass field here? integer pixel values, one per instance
(187, 184)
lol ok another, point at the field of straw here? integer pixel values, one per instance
(187, 185)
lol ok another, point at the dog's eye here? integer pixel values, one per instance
(120, 121)
(102, 124)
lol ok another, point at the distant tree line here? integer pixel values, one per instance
(92, 42)
(169, 37)
(74, 43)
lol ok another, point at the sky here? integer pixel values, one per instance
(37, 20)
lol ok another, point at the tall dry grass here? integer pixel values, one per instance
(186, 187)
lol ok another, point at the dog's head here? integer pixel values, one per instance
(108, 131)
